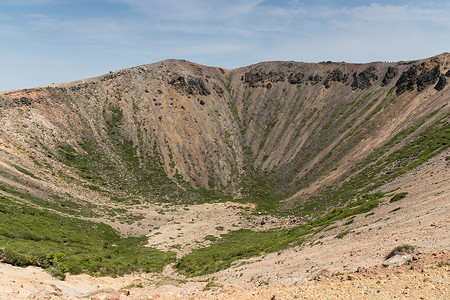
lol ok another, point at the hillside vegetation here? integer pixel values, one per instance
(310, 140)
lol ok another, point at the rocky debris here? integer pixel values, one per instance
(79, 87)
(296, 78)
(427, 77)
(389, 75)
(275, 76)
(418, 77)
(365, 79)
(19, 102)
(23, 101)
(314, 79)
(219, 91)
(335, 76)
(398, 259)
(322, 274)
(441, 83)
(252, 77)
(191, 85)
(258, 78)
(429, 281)
(407, 80)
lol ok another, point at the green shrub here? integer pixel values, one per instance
(398, 197)
(405, 248)
(342, 234)
(56, 272)
(349, 222)
(237, 245)
(30, 236)
(395, 209)
(211, 238)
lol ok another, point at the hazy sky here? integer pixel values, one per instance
(45, 41)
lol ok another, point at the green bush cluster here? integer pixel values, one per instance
(398, 196)
(405, 248)
(242, 243)
(238, 245)
(29, 236)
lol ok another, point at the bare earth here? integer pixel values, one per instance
(423, 220)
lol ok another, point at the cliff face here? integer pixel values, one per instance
(181, 132)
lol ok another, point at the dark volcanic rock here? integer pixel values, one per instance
(419, 76)
(275, 76)
(335, 76)
(441, 83)
(365, 79)
(218, 89)
(296, 78)
(407, 80)
(256, 78)
(252, 77)
(428, 77)
(314, 79)
(389, 75)
(191, 86)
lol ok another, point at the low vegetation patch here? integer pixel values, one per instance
(395, 209)
(246, 243)
(403, 249)
(238, 245)
(342, 234)
(398, 196)
(30, 236)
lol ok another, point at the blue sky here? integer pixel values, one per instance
(46, 41)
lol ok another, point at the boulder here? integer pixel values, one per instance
(389, 75)
(441, 83)
(365, 79)
(335, 76)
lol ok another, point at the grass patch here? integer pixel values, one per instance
(238, 245)
(365, 204)
(61, 205)
(72, 245)
(210, 238)
(26, 172)
(398, 197)
(371, 174)
(246, 243)
(212, 285)
(349, 222)
(403, 249)
(395, 209)
(342, 234)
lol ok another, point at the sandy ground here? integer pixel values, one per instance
(423, 220)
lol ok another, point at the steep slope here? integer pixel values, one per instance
(180, 132)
